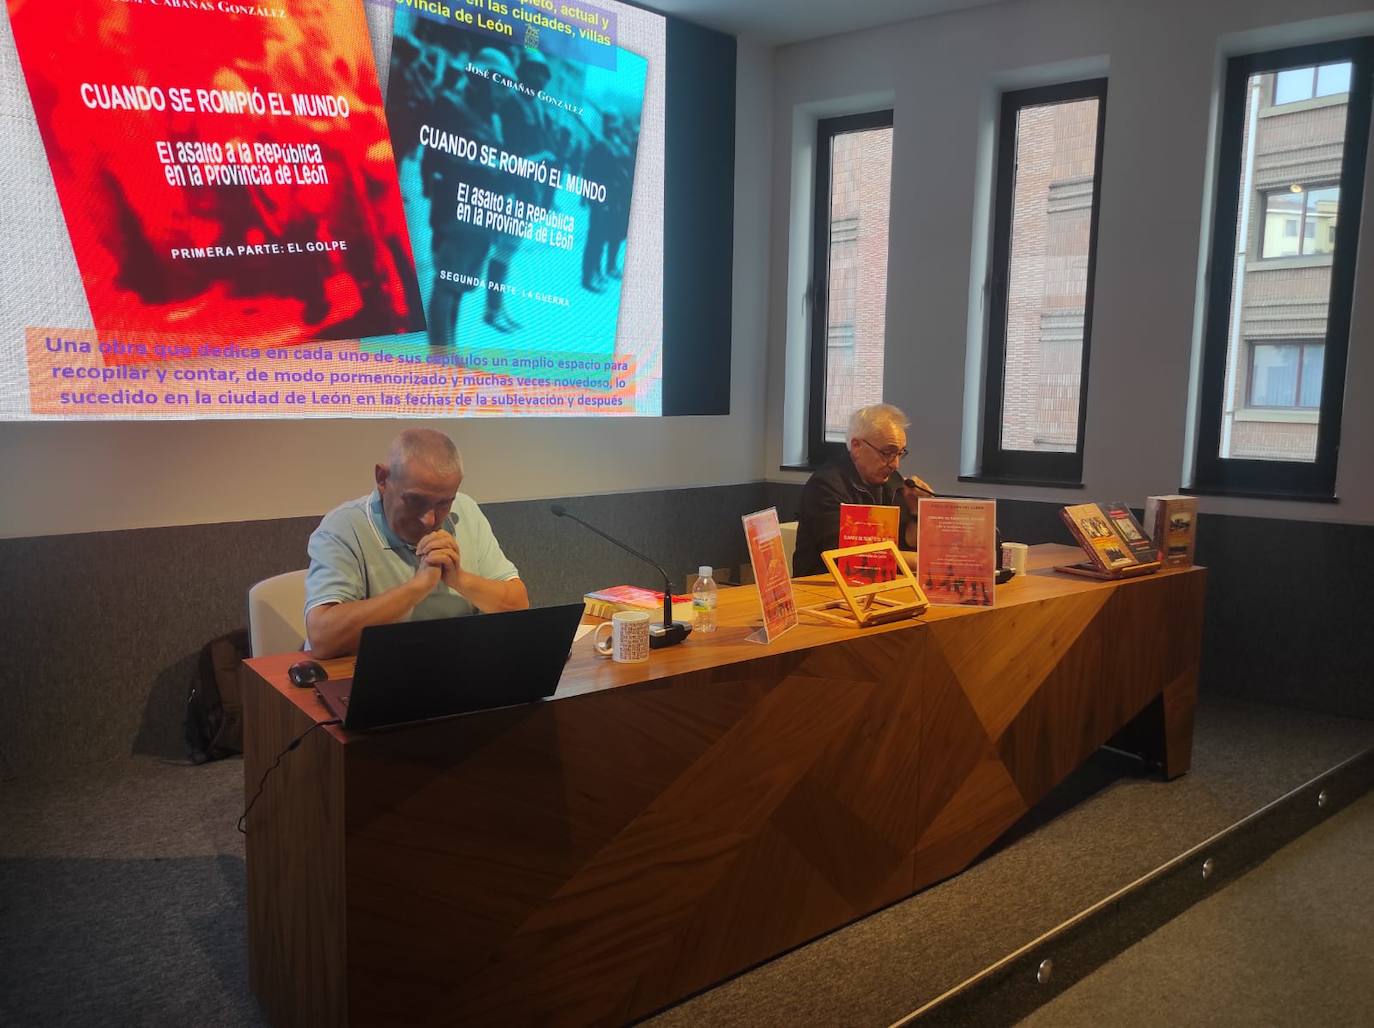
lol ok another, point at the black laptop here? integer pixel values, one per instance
(421, 670)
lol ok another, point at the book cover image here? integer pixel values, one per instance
(1130, 530)
(225, 170)
(1093, 530)
(957, 551)
(862, 523)
(1173, 527)
(517, 168)
(774, 579)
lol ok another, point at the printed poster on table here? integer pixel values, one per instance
(957, 551)
(861, 524)
(225, 169)
(517, 168)
(769, 561)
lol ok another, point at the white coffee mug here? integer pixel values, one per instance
(627, 637)
(1014, 557)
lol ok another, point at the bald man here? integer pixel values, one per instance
(414, 549)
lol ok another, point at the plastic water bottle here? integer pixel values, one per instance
(704, 601)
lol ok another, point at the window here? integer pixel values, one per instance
(1294, 84)
(1286, 375)
(1049, 170)
(1300, 221)
(1289, 185)
(849, 275)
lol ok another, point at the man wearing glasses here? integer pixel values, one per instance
(413, 550)
(866, 473)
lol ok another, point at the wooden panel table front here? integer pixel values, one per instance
(658, 827)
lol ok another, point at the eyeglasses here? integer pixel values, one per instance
(889, 454)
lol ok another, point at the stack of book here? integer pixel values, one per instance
(605, 602)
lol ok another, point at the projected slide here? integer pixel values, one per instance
(518, 178)
(255, 233)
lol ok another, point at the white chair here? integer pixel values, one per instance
(276, 614)
(789, 541)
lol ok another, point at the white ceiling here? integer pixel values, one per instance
(775, 22)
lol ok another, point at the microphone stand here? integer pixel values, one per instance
(662, 633)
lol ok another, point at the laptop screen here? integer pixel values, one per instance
(419, 670)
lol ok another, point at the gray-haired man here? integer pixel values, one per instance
(865, 473)
(412, 550)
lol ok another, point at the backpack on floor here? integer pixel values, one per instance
(214, 706)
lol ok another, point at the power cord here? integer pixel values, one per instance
(276, 763)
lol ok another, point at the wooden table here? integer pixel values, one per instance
(658, 827)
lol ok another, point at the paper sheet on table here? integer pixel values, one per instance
(583, 630)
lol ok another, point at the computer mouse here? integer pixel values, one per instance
(305, 673)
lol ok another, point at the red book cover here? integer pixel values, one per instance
(862, 523)
(634, 596)
(225, 169)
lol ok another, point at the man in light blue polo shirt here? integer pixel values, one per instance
(413, 550)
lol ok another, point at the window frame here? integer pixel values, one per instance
(818, 450)
(1303, 345)
(1281, 479)
(1312, 93)
(1307, 187)
(1033, 467)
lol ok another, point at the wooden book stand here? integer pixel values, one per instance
(867, 603)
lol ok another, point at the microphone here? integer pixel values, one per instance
(912, 482)
(662, 633)
(1002, 575)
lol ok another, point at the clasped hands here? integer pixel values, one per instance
(439, 560)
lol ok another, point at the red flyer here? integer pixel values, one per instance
(863, 523)
(774, 580)
(957, 554)
(225, 169)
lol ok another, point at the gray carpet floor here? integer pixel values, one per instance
(122, 886)
(1289, 943)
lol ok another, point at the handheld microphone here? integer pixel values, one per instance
(663, 633)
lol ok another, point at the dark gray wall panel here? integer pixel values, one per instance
(99, 653)
(1290, 614)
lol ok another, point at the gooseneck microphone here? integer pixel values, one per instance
(663, 633)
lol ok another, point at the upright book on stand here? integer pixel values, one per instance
(1172, 522)
(860, 525)
(1109, 534)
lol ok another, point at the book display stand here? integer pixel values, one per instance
(1113, 539)
(865, 605)
(1087, 570)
